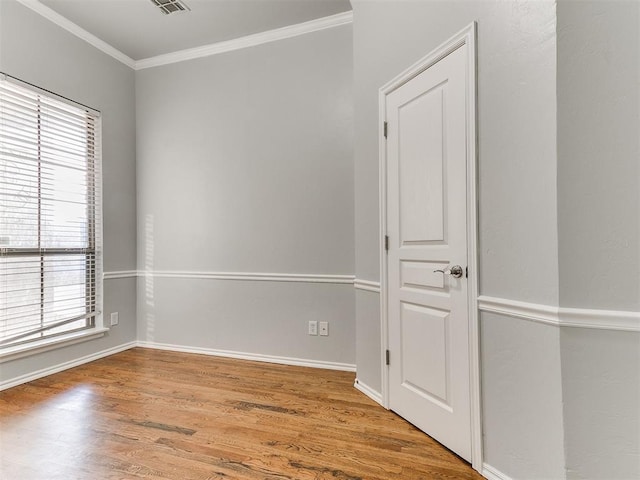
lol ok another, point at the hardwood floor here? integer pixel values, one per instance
(163, 415)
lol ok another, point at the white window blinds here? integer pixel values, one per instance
(49, 215)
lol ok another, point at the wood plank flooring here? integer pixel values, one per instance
(163, 415)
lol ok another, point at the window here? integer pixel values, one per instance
(50, 252)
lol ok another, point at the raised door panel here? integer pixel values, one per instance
(421, 155)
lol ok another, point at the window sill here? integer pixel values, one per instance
(19, 351)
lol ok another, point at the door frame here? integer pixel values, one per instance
(466, 36)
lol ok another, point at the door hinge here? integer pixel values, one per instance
(387, 356)
(386, 243)
(466, 272)
(385, 127)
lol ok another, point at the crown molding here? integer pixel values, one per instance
(247, 41)
(290, 31)
(78, 31)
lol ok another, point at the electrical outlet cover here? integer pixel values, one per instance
(313, 327)
(324, 329)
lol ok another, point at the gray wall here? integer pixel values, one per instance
(552, 398)
(37, 51)
(517, 133)
(245, 164)
(263, 318)
(368, 339)
(521, 361)
(601, 392)
(517, 204)
(224, 143)
(598, 154)
(599, 231)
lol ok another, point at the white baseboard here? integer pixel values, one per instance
(300, 362)
(492, 473)
(256, 357)
(13, 382)
(368, 391)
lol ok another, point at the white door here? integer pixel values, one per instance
(429, 381)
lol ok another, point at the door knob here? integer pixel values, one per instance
(455, 271)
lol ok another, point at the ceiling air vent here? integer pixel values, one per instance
(170, 6)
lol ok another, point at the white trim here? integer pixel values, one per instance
(254, 276)
(120, 274)
(246, 276)
(600, 319)
(562, 317)
(256, 357)
(366, 285)
(466, 36)
(463, 37)
(289, 31)
(78, 31)
(382, 211)
(64, 366)
(51, 343)
(492, 473)
(472, 247)
(516, 309)
(247, 41)
(368, 391)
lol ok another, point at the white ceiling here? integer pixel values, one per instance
(139, 30)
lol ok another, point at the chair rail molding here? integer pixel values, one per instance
(366, 285)
(112, 275)
(620, 320)
(340, 279)
(251, 276)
